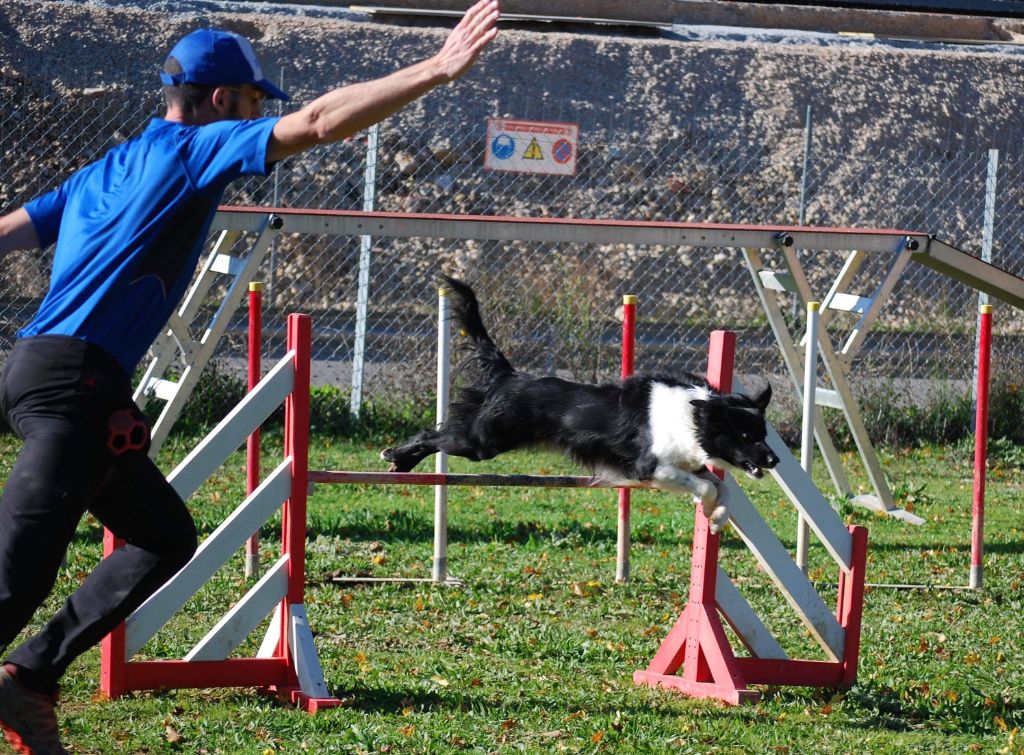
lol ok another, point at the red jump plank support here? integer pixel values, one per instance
(628, 357)
(977, 573)
(696, 658)
(287, 663)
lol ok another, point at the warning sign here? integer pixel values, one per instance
(531, 146)
(533, 152)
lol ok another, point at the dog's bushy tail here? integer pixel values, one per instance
(466, 314)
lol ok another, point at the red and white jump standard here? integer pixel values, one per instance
(697, 643)
(287, 662)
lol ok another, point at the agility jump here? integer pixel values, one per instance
(288, 664)
(287, 661)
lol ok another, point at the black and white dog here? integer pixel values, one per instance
(650, 428)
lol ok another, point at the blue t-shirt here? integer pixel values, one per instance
(130, 228)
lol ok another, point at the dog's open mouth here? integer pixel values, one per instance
(753, 472)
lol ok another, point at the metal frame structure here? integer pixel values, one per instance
(181, 349)
(901, 247)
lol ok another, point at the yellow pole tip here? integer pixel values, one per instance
(985, 309)
(254, 286)
(813, 306)
(629, 299)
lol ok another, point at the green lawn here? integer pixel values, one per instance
(536, 652)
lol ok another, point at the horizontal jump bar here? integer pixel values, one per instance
(471, 480)
(564, 230)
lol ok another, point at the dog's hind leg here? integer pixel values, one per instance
(405, 457)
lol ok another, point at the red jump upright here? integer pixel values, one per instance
(696, 657)
(628, 356)
(977, 573)
(287, 663)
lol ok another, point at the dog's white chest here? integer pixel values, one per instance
(674, 436)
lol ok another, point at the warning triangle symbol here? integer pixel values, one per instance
(533, 152)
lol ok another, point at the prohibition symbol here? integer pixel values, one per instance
(503, 146)
(561, 151)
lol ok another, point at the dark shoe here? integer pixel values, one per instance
(26, 717)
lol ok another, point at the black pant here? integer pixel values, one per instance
(85, 445)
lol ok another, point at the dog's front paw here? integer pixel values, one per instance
(717, 502)
(707, 492)
(717, 519)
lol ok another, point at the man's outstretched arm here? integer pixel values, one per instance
(344, 111)
(17, 232)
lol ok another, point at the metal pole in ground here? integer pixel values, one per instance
(807, 165)
(365, 257)
(981, 447)
(987, 233)
(276, 202)
(803, 530)
(802, 213)
(440, 568)
(628, 351)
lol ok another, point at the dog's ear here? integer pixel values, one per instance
(761, 399)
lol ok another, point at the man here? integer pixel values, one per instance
(128, 230)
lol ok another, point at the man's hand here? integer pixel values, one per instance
(467, 40)
(346, 110)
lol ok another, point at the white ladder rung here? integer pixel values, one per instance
(225, 263)
(776, 280)
(828, 397)
(162, 389)
(851, 303)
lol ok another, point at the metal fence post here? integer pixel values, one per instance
(987, 233)
(808, 124)
(802, 217)
(277, 200)
(365, 252)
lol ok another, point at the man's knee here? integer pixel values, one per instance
(182, 545)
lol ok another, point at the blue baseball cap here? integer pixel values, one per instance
(218, 58)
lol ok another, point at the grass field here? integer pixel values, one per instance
(536, 652)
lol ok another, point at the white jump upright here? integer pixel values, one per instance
(439, 571)
(287, 663)
(803, 531)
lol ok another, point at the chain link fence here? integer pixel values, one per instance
(554, 307)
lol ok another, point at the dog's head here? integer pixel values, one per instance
(731, 429)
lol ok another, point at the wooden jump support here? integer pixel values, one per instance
(287, 663)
